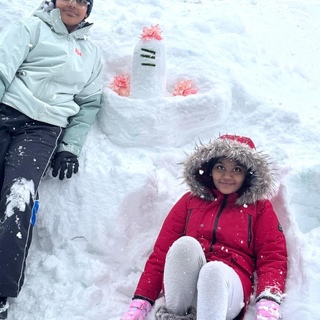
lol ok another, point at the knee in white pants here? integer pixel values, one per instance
(183, 263)
(215, 272)
(220, 292)
(185, 249)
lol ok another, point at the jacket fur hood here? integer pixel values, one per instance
(259, 183)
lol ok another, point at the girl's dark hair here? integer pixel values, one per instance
(246, 183)
(203, 174)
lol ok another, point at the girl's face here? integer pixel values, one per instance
(228, 176)
(72, 12)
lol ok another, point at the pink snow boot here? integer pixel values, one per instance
(267, 310)
(138, 310)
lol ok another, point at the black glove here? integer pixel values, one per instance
(65, 162)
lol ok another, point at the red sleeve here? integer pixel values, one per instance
(151, 280)
(270, 252)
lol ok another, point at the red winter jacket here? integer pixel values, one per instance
(240, 229)
(248, 238)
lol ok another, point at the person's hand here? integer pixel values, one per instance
(65, 164)
(267, 310)
(138, 310)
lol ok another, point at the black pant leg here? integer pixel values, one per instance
(4, 142)
(27, 159)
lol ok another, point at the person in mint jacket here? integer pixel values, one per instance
(50, 93)
(221, 240)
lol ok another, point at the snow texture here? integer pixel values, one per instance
(256, 66)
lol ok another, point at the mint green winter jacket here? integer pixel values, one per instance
(51, 75)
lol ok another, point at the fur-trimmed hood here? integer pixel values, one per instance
(259, 183)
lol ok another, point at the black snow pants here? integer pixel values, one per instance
(26, 147)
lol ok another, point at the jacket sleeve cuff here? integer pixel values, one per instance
(267, 294)
(70, 148)
(143, 298)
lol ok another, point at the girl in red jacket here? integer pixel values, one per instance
(217, 241)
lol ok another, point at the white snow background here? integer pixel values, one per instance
(256, 65)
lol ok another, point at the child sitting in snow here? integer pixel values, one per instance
(50, 93)
(214, 239)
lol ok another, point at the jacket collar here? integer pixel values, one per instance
(219, 196)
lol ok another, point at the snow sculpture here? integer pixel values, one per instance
(148, 79)
(141, 111)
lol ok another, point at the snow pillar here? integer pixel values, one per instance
(148, 77)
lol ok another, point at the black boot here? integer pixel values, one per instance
(164, 314)
(3, 308)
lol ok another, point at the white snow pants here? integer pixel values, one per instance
(213, 288)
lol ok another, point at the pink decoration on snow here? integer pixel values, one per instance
(121, 85)
(184, 88)
(154, 32)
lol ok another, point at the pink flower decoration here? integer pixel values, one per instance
(121, 85)
(184, 88)
(154, 32)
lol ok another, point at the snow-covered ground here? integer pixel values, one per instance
(256, 66)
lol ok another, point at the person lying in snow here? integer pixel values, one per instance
(50, 93)
(215, 238)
